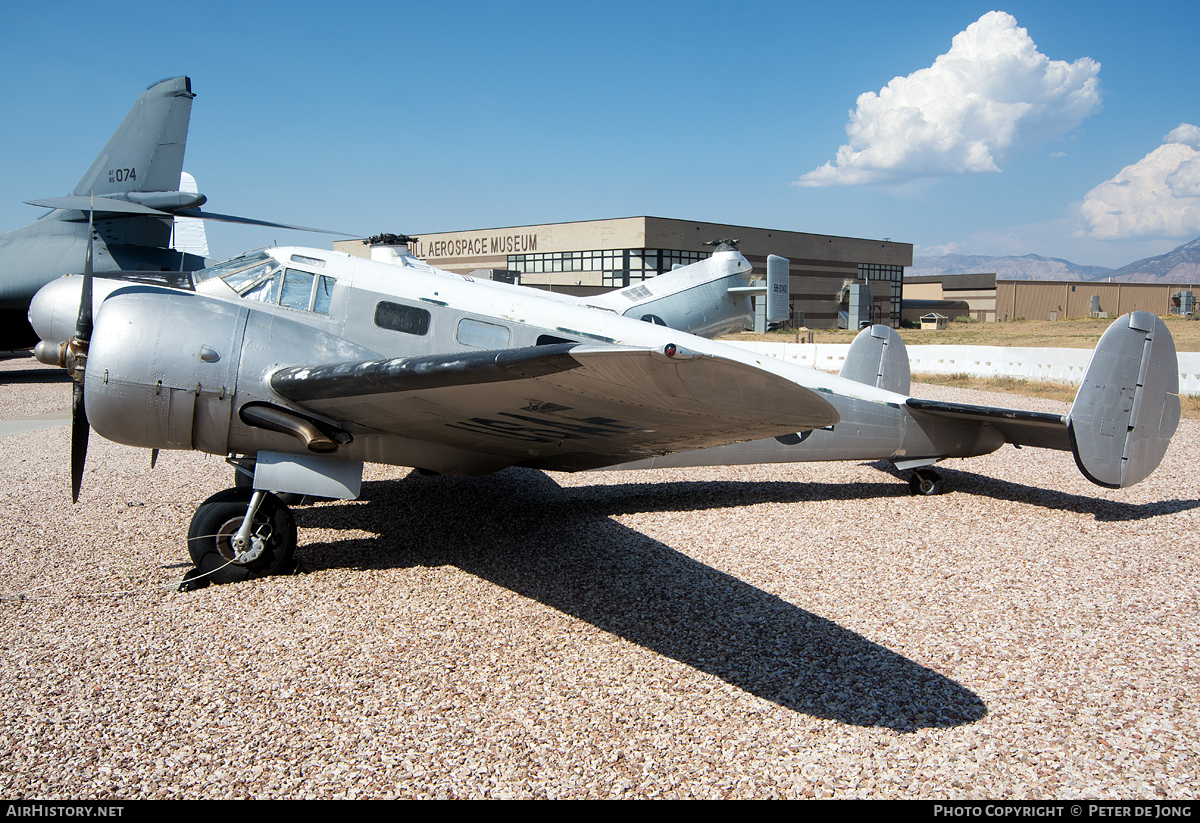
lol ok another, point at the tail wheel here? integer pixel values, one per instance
(216, 523)
(926, 482)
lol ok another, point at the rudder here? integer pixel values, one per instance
(1127, 408)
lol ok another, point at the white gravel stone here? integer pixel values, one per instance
(779, 631)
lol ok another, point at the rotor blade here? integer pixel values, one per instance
(79, 439)
(229, 218)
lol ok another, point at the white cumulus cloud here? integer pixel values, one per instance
(1157, 195)
(962, 115)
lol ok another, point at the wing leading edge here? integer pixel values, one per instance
(564, 407)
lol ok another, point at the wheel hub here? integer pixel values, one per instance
(241, 556)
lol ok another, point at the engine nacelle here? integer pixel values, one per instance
(162, 369)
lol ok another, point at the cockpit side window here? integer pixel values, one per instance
(297, 290)
(324, 295)
(267, 291)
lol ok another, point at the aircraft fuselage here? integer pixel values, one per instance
(189, 399)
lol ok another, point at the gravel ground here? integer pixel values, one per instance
(797, 631)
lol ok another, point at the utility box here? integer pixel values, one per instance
(856, 297)
(499, 275)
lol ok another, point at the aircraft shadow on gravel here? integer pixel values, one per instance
(520, 530)
(1108, 511)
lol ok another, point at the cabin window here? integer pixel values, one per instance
(324, 295)
(297, 290)
(482, 335)
(407, 319)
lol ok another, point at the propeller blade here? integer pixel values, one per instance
(83, 326)
(79, 439)
(83, 334)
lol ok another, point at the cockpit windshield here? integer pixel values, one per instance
(242, 261)
(259, 276)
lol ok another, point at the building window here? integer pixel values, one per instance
(891, 278)
(618, 267)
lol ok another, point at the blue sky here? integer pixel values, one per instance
(438, 116)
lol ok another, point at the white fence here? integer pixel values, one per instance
(1062, 365)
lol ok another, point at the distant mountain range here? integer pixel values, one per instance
(1180, 265)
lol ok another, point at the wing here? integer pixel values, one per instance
(564, 407)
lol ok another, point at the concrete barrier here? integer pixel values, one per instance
(1061, 365)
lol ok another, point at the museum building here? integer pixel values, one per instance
(593, 256)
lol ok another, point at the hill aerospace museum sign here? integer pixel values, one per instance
(477, 245)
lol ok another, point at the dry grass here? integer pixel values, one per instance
(1065, 334)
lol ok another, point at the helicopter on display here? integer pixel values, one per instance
(300, 365)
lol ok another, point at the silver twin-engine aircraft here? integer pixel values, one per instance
(300, 365)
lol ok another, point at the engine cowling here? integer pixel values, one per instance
(162, 369)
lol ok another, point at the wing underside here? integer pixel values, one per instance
(561, 407)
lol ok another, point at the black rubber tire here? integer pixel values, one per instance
(217, 520)
(926, 483)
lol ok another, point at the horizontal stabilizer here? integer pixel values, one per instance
(1043, 430)
(1127, 408)
(877, 357)
(101, 205)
